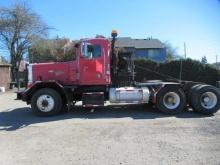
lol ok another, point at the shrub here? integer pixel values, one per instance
(191, 71)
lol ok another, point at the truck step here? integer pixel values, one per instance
(93, 99)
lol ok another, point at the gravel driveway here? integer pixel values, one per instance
(113, 135)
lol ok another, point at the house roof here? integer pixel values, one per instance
(5, 65)
(124, 42)
(148, 43)
(138, 43)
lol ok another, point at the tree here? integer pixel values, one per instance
(59, 49)
(3, 59)
(19, 27)
(169, 57)
(204, 60)
(171, 52)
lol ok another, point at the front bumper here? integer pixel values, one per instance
(21, 95)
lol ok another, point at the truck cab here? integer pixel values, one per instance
(90, 67)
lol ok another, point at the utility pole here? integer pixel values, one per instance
(216, 59)
(181, 68)
(181, 61)
(185, 50)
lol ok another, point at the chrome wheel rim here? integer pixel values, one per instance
(171, 100)
(45, 103)
(208, 100)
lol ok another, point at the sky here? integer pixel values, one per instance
(195, 22)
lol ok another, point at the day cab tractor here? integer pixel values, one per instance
(92, 77)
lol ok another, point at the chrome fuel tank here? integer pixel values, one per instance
(129, 95)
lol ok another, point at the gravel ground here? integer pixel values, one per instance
(112, 135)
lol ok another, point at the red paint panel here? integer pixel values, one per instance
(60, 71)
(99, 67)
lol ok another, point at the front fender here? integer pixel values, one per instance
(27, 94)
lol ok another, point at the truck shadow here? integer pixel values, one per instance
(14, 119)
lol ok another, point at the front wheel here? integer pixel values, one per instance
(171, 100)
(46, 102)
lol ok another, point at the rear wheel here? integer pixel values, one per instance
(46, 102)
(171, 100)
(191, 92)
(206, 99)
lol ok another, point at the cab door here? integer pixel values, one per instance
(91, 63)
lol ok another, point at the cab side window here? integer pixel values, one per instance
(93, 51)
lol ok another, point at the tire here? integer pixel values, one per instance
(190, 93)
(176, 94)
(206, 99)
(46, 102)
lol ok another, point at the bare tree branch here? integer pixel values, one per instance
(19, 27)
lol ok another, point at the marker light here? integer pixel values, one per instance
(114, 33)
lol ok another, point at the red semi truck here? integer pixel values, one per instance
(92, 78)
